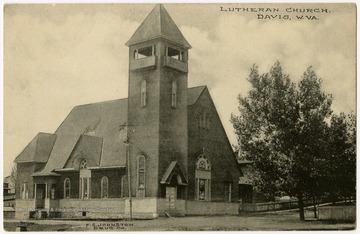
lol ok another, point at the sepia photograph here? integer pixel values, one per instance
(179, 117)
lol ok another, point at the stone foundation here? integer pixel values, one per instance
(119, 208)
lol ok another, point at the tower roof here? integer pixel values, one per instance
(158, 24)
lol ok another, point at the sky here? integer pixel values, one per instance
(59, 56)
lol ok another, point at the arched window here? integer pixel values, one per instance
(203, 179)
(83, 164)
(124, 185)
(141, 175)
(173, 93)
(204, 120)
(143, 93)
(203, 163)
(67, 188)
(84, 180)
(104, 187)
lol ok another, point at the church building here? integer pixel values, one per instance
(162, 151)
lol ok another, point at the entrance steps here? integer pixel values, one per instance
(38, 214)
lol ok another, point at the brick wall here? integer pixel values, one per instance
(160, 130)
(74, 185)
(89, 146)
(173, 120)
(145, 120)
(214, 143)
(114, 185)
(24, 171)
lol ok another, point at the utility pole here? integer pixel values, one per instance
(128, 175)
(127, 142)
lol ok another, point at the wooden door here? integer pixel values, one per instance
(171, 197)
(40, 196)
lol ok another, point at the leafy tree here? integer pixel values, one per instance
(339, 166)
(13, 175)
(351, 155)
(282, 129)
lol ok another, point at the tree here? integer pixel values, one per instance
(282, 129)
(13, 175)
(314, 110)
(341, 163)
(256, 127)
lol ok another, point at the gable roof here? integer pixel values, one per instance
(194, 93)
(107, 116)
(38, 150)
(174, 169)
(158, 24)
(102, 120)
(88, 146)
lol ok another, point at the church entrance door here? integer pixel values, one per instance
(171, 197)
(40, 196)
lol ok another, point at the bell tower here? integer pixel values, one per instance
(157, 103)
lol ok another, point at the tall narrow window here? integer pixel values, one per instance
(228, 191)
(85, 188)
(173, 94)
(200, 120)
(24, 191)
(104, 187)
(143, 93)
(204, 120)
(52, 191)
(123, 185)
(85, 180)
(141, 176)
(203, 179)
(67, 188)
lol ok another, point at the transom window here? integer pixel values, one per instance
(203, 163)
(83, 164)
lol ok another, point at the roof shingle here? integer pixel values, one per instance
(158, 24)
(104, 120)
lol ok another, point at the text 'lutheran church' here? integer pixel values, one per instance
(161, 150)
